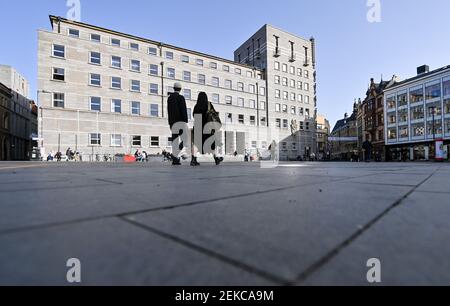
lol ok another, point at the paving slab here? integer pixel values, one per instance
(112, 252)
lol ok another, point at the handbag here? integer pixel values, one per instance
(212, 115)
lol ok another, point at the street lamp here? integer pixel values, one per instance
(432, 109)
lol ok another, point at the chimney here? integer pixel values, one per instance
(423, 69)
(345, 116)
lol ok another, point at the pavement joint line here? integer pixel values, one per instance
(334, 252)
(109, 181)
(55, 188)
(223, 258)
(22, 167)
(384, 184)
(430, 191)
(162, 208)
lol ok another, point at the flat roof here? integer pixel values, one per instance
(418, 77)
(65, 20)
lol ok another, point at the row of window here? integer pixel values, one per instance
(291, 83)
(95, 139)
(303, 126)
(301, 111)
(154, 70)
(418, 130)
(292, 96)
(292, 70)
(115, 42)
(420, 93)
(418, 112)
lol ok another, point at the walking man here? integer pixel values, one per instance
(178, 120)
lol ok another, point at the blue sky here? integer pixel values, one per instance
(350, 50)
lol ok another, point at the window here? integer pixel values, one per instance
(285, 123)
(115, 42)
(249, 74)
(116, 62)
(116, 83)
(238, 71)
(226, 68)
(402, 99)
(59, 51)
(307, 113)
(300, 85)
(306, 74)
(134, 46)
(285, 95)
(252, 104)
(135, 85)
(215, 81)
(136, 141)
(116, 106)
(263, 123)
(285, 82)
(96, 38)
(301, 111)
(228, 118)
(154, 110)
(171, 73)
(299, 98)
(59, 74)
(292, 96)
(152, 51)
(417, 113)
(58, 100)
(241, 119)
(228, 100)
(213, 65)
(278, 123)
(135, 108)
(187, 93)
(432, 91)
(391, 102)
(202, 79)
(278, 107)
(299, 72)
(228, 84)
(135, 66)
(446, 85)
(306, 87)
(285, 108)
(293, 110)
(95, 104)
(292, 70)
(154, 141)
(169, 55)
(154, 90)
(251, 88)
(415, 95)
(307, 126)
(95, 58)
(292, 83)
(277, 79)
(240, 86)
(277, 66)
(215, 98)
(240, 102)
(95, 139)
(186, 76)
(252, 120)
(417, 130)
(285, 68)
(116, 140)
(199, 62)
(185, 59)
(95, 79)
(306, 99)
(277, 93)
(74, 33)
(153, 70)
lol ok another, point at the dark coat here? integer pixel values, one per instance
(176, 109)
(201, 108)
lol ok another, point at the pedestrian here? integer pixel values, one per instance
(204, 113)
(145, 156)
(177, 113)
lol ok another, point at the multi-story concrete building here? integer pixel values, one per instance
(15, 114)
(105, 92)
(417, 112)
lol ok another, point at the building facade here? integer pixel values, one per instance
(15, 114)
(371, 119)
(344, 138)
(417, 112)
(323, 133)
(105, 92)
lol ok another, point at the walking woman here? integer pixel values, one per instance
(208, 114)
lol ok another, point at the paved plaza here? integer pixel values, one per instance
(238, 224)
